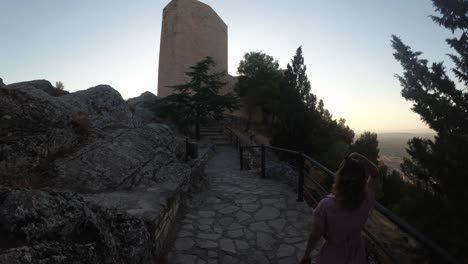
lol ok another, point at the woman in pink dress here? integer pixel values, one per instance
(340, 217)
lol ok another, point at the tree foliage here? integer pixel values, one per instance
(368, 145)
(439, 166)
(304, 125)
(298, 121)
(200, 98)
(258, 83)
(59, 85)
(296, 78)
(295, 125)
(392, 187)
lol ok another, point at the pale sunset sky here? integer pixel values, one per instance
(346, 47)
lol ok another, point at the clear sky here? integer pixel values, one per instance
(346, 46)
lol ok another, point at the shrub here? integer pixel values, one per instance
(59, 85)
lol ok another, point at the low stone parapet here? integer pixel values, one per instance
(159, 206)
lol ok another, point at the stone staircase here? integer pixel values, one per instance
(215, 135)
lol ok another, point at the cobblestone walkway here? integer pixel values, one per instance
(242, 219)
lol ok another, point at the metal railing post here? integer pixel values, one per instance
(263, 161)
(241, 156)
(300, 182)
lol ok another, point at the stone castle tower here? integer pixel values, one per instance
(191, 31)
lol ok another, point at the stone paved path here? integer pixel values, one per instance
(242, 219)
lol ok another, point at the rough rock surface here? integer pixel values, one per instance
(283, 172)
(86, 141)
(119, 161)
(124, 163)
(53, 227)
(43, 85)
(143, 105)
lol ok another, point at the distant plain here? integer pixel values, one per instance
(393, 147)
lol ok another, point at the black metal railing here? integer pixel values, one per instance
(244, 145)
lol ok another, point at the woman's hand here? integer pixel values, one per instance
(357, 156)
(371, 168)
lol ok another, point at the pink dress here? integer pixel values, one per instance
(342, 231)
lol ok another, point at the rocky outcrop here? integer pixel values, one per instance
(282, 171)
(144, 106)
(102, 105)
(42, 85)
(122, 160)
(122, 163)
(52, 227)
(86, 141)
(2, 85)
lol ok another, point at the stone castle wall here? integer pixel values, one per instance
(191, 31)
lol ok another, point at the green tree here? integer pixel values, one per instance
(200, 98)
(335, 153)
(392, 185)
(324, 113)
(304, 125)
(296, 78)
(329, 134)
(368, 145)
(258, 84)
(439, 166)
(297, 116)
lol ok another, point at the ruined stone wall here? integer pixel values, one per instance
(191, 30)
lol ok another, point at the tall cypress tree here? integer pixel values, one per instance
(440, 166)
(303, 124)
(297, 79)
(295, 118)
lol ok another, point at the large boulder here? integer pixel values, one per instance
(101, 105)
(54, 227)
(86, 141)
(120, 161)
(43, 85)
(123, 161)
(34, 128)
(144, 107)
(282, 171)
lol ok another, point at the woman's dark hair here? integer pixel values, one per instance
(350, 184)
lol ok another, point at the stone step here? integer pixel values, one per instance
(221, 142)
(213, 135)
(210, 127)
(217, 137)
(211, 131)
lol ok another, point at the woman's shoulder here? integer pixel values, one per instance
(327, 201)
